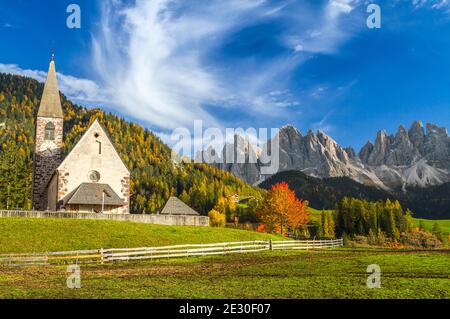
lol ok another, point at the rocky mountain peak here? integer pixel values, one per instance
(436, 146)
(417, 134)
(396, 159)
(365, 152)
(402, 140)
(402, 133)
(350, 152)
(381, 148)
(414, 157)
(433, 129)
(289, 127)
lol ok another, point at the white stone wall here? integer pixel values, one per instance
(94, 209)
(168, 220)
(86, 157)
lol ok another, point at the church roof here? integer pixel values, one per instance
(91, 194)
(51, 102)
(174, 206)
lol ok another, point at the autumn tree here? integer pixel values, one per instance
(330, 227)
(216, 219)
(282, 210)
(326, 227)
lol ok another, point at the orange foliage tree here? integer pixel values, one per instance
(282, 210)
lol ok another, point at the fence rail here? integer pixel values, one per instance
(127, 254)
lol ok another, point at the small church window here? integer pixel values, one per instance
(99, 147)
(49, 132)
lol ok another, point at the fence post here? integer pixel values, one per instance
(270, 244)
(102, 258)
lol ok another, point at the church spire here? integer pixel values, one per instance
(51, 103)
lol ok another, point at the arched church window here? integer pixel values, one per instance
(50, 131)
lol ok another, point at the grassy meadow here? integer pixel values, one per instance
(338, 273)
(315, 214)
(25, 235)
(444, 224)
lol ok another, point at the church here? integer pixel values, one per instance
(91, 178)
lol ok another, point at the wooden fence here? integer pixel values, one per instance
(126, 254)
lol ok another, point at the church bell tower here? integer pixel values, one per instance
(48, 139)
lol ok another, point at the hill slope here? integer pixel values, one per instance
(431, 203)
(22, 235)
(154, 177)
(324, 193)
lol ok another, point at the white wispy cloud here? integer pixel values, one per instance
(152, 59)
(433, 4)
(325, 33)
(153, 55)
(78, 90)
(324, 125)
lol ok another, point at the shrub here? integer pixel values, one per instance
(362, 240)
(382, 238)
(437, 231)
(346, 239)
(216, 219)
(420, 239)
(261, 228)
(301, 233)
(372, 238)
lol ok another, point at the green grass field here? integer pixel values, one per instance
(339, 273)
(315, 214)
(444, 224)
(22, 235)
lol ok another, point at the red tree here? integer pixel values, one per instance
(282, 210)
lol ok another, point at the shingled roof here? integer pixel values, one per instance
(174, 206)
(51, 102)
(91, 194)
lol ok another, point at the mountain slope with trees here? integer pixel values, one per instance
(154, 176)
(432, 202)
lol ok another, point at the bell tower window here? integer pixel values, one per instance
(49, 132)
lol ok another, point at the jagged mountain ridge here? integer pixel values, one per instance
(417, 157)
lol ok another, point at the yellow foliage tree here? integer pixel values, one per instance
(216, 219)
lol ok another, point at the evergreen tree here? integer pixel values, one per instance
(323, 225)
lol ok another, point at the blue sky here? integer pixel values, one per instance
(242, 63)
